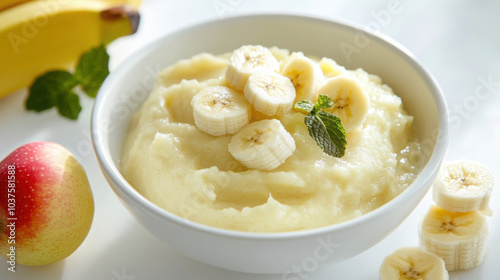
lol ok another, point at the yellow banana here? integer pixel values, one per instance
(6, 4)
(39, 36)
(133, 3)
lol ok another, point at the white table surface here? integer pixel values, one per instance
(458, 41)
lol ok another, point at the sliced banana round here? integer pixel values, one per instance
(247, 60)
(330, 68)
(413, 263)
(262, 145)
(350, 101)
(458, 238)
(463, 186)
(219, 110)
(270, 93)
(306, 76)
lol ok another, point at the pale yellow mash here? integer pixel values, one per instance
(191, 174)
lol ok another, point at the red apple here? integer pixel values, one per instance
(46, 204)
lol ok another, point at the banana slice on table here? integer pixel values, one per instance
(270, 93)
(350, 101)
(262, 145)
(219, 110)
(458, 238)
(247, 60)
(306, 76)
(463, 186)
(413, 263)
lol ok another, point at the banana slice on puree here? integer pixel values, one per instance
(306, 76)
(458, 238)
(247, 60)
(463, 186)
(412, 263)
(350, 101)
(219, 110)
(270, 93)
(330, 68)
(262, 145)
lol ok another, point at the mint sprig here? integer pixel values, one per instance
(324, 127)
(57, 88)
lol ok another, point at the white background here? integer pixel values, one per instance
(458, 41)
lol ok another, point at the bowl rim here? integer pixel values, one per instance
(123, 188)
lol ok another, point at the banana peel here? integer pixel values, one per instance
(39, 36)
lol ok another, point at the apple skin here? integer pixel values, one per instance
(53, 208)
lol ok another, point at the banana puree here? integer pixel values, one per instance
(193, 175)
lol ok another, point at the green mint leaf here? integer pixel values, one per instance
(324, 102)
(324, 127)
(92, 70)
(336, 132)
(328, 132)
(304, 106)
(68, 105)
(45, 91)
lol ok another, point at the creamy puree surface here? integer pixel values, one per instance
(191, 174)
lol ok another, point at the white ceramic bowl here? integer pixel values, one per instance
(127, 87)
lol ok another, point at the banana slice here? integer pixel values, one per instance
(458, 238)
(306, 76)
(262, 145)
(413, 263)
(350, 101)
(330, 68)
(463, 186)
(218, 110)
(270, 93)
(248, 60)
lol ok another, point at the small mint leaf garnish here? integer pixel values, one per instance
(324, 127)
(324, 102)
(336, 134)
(304, 106)
(57, 88)
(92, 69)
